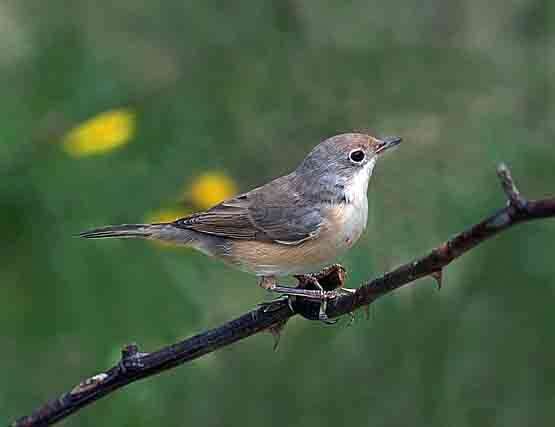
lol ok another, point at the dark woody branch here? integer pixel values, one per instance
(135, 365)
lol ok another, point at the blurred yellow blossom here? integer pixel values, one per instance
(100, 134)
(167, 215)
(204, 192)
(211, 188)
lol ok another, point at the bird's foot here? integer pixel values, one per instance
(330, 278)
(322, 287)
(311, 281)
(289, 293)
(277, 303)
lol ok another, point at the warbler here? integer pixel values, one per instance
(293, 225)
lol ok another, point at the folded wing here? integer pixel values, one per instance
(275, 212)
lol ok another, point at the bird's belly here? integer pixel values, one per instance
(344, 227)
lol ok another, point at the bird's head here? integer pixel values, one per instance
(347, 156)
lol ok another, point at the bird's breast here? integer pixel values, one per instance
(346, 223)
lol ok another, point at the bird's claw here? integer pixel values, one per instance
(309, 288)
(277, 303)
(324, 296)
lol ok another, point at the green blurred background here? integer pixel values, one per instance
(246, 89)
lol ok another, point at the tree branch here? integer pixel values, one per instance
(135, 365)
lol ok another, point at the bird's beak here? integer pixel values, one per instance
(387, 143)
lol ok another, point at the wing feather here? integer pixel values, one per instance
(275, 212)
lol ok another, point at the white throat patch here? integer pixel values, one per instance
(358, 186)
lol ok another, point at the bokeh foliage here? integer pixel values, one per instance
(246, 89)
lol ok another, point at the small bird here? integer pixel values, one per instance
(293, 225)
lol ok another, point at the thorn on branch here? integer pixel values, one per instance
(131, 358)
(367, 310)
(351, 318)
(438, 277)
(276, 331)
(511, 191)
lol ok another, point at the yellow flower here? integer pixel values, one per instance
(100, 134)
(211, 188)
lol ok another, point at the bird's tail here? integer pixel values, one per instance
(162, 231)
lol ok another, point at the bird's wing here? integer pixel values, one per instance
(275, 212)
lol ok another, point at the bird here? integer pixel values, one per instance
(293, 225)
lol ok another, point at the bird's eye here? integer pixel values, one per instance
(357, 156)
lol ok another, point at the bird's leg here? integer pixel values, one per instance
(309, 279)
(269, 283)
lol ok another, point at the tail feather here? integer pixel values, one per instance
(167, 232)
(124, 231)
